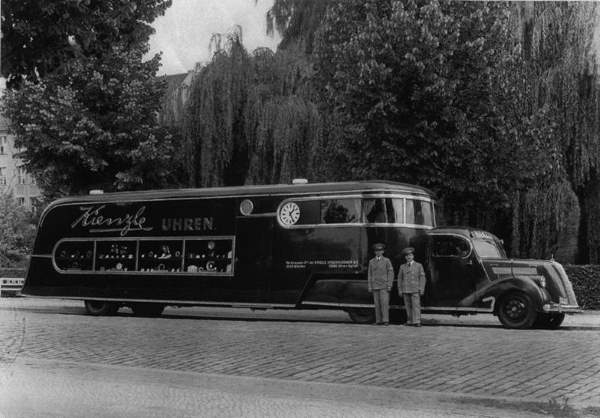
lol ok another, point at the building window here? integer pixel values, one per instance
(3, 181)
(22, 176)
(21, 201)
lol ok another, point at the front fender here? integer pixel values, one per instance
(498, 288)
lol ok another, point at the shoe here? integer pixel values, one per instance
(378, 323)
(416, 325)
(386, 323)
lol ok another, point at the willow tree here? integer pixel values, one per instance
(250, 118)
(561, 77)
(297, 21)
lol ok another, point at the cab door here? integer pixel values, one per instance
(452, 264)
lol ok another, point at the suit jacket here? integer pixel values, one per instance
(411, 279)
(381, 274)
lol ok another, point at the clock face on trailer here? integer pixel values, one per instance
(289, 213)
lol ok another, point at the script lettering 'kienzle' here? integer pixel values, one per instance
(92, 217)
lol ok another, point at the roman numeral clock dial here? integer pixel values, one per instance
(289, 213)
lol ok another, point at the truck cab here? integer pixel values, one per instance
(469, 273)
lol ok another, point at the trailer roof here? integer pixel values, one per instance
(261, 190)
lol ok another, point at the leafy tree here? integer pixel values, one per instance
(85, 110)
(16, 231)
(419, 88)
(41, 37)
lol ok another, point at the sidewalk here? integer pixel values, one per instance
(39, 388)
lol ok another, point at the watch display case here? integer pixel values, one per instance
(74, 256)
(160, 256)
(171, 255)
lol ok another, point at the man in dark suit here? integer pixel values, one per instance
(411, 286)
(380, 279)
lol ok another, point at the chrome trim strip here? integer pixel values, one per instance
(339, 305)
(491, 299)
(180, 302)
(258, 215)
(457, 309)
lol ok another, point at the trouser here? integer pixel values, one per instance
(382, 305)
(412, 303)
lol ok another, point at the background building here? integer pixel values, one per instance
(13, 176)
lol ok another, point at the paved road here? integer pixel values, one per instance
(473, 359)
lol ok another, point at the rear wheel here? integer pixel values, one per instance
(516, 310)
(362, 315)
(101, 307)
(549, 320)
(147, 309)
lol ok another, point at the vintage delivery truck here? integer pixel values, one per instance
(280, 246)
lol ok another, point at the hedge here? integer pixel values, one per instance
(585, 279)
(586, 284)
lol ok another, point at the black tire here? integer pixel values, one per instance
(516, 310)
(549, 320)
(101, 307)
(362, 315)
(147, 309)
(398, 316)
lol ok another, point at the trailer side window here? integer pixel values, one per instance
(310, 212)
(418, 212)
(395, 210)
(374, 211)
(340, 211)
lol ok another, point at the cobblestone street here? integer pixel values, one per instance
(473, 357)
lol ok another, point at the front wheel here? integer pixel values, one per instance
(516, 311)
(101, 307)
(550, 320)
(362, 315)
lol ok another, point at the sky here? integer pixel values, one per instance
(183, 33)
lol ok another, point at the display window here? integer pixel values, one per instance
(193, 255)
(74, 256)
(209, 255)
(161, 256)
(115, 256)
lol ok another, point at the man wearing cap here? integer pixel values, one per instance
(411, 286)
(380, 279)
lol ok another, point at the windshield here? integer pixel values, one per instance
(488, 248)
